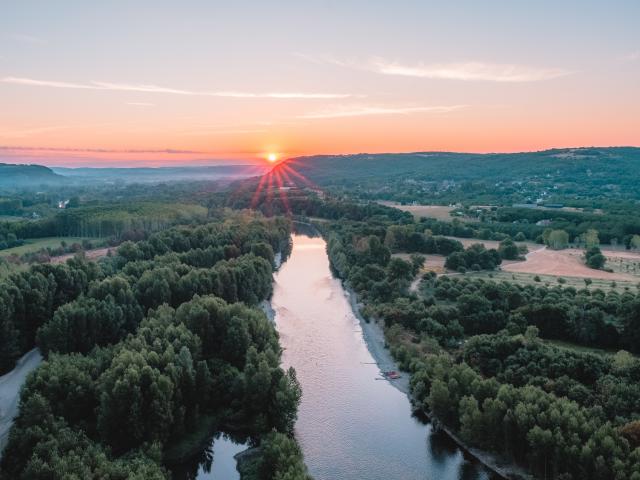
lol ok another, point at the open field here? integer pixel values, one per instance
(523, 278)
(579, 348)
(563, 263)
(438, 212)
(37, 244)
(467, 242)
(550, 265)
(89, 254)
(11, 218)
(433, 263)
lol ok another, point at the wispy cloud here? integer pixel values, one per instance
(465, 71)
(150, 88)
(27, 132)
(93, 150)
(237, 131)
(141, 104)
(365, 110)
(469, 71)
(632, 57)
(24, 38)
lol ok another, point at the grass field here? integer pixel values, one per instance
(579, 348)
(552, 280)
(438, 212)
(10, 218)
(36, 244)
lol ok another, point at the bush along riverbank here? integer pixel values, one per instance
(383, 351)
(480, 364)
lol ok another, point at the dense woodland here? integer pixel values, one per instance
(481, 364)
(166, 331)
(164, 334)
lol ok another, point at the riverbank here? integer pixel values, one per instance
(373, 334)
(10, 385)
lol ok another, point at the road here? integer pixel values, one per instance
(10, 385)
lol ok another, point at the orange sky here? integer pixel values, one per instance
(204, 82)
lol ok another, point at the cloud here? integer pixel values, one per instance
(24, 133)
(632, 57)
(23, 38)
(239, 131)
(150, 88)
(141, 104)
(464, 71)
(93, 150)
(365, 110)
(469, 71)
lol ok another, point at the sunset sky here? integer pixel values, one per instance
(152, 82)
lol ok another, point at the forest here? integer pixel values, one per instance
(165, 333)
(484, 364)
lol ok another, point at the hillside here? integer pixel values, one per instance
(27, 175)
(160, 174)
(576, 172)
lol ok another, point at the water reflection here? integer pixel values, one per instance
(214, 462)
(350, 426)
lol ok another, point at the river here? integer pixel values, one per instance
(351, 424)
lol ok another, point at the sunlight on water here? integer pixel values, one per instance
(350, 425)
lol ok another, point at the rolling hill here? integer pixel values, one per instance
(27, 176)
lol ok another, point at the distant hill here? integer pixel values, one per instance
(160, 174)
(450, 177)
(607, 164)
(27, 175)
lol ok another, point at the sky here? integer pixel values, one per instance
(155, 82)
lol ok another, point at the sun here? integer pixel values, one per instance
(272, 157)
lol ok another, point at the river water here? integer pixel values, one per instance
(351, 424)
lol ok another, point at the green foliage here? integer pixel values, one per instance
(556, 239)
(476, 257)
(594, 258)
(162, 374)
(508, 250)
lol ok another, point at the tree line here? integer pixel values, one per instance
(141, 346)
(480, 364)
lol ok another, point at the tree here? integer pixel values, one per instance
(508, 249)
(557, 239)
(590, 238)
(594, 258)
(398, 269)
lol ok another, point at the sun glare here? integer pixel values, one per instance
(272, 157)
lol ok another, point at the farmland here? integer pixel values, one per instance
(438, 212)
(35, 245)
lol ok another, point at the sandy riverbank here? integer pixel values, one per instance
(10, 385)
(373, 334)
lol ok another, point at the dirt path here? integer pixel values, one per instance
(89, 254)
(10, 385)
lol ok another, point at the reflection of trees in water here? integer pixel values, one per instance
(204, 458)
(443, 448)
(307, 229)
(470, 471)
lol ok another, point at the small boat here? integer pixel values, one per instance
(391, 374)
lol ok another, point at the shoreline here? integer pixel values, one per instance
(373, 335)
